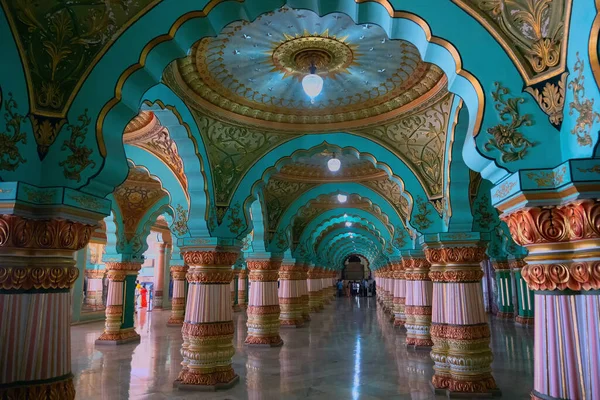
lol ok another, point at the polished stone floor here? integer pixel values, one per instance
(349, 351)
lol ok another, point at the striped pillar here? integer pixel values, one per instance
(263, 303)
(178, 273)
(506, 309)
(304, 295)
(563, 270)
(525, 305)
(290, 292)
(208, 327)
(93, 298)
(459, 328)
(314, 283)
(120, 303)
(37, 271)
(389, 291)
(159, 276)
(233, 286)
(242, 284)
(399, 294)
(418, 302)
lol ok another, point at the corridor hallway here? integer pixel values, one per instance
(348, 351)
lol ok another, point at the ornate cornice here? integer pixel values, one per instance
(574, 276)
(210, 258)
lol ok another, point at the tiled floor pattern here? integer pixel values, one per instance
(349, 351)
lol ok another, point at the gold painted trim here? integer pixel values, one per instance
(548, 196)
(308, 179)
(204, 12)
(142, 62)
(593, 46)
(449, 155)
(83, 78)
(518, 63)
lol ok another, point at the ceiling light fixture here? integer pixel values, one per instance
(342, 198)
(334, 164)
(312, 83)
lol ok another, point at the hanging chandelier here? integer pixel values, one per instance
(312, 83)
(334, 164)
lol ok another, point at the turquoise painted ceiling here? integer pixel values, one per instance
(240, 61)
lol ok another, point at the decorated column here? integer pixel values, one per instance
(399, 294)
(242, 284)
(506, 309)
(418, 304)
(563, 270)
(524, 294)
(178, 273)
(37, 271)
(290, 292)
(233, 285)
(459, 329)
(389, 291)
(159, 276)
(263, 302)
(303, 289)
(207, 331)
(93, 299)
(120, 303)
(314, 283)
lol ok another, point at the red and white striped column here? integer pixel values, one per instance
(419, 292)
(242, 285)
(303, 289)
(290, 292)
(93, 298)
(207, 331)
(399, 294)
(178, 273)
(37, 272)
(263, 302)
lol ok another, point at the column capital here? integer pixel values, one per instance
(499, 265)
(215, 257)
(95, 273)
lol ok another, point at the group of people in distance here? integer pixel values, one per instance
(360, 288)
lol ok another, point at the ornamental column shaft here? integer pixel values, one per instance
(207, 331)
(313, 283)
(506, 309)
(241, 288)
(178, 273)
(459, 328)
(304, 294)
(159, 277)
(120, 303)
(37, 271)
(263, 303)
(399, 295)
(93, 298)
(525, 295)
(290, 292)
(563, 270)
(418, 303)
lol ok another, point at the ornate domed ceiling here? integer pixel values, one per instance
(314, 169)
(251, 73)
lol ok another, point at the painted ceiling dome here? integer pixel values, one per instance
(251, 73)
(314, 168)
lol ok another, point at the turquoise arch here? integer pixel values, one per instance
(354, 218)
(321, 246)
(477, 52)
(282, 154)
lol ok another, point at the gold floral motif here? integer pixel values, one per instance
(180, 226)
(551, 99)
(506, 137)
(210, 258)
(532, 32)
(38, 277)
(39, 196)
(421, 219)
(92, 203)
(595, 169)
(455, 255)
(236, 223)
(10, 156)
(586, 116)
(278, 196)
(504, 189)
(391, 191)
(80, 157)
(548, 179)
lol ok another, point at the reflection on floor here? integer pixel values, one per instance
(349, 351)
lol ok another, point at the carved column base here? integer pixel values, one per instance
(399, 310)
(291, 312)
(123, 336)
(157, 301)
(222, 379)
(418, 323)
(242, 300)
(177, 312)
(59, 388)
(263, 326)
(529, 321)
(505, 315)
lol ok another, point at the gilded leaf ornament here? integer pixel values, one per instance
(180, 226)
(586, 116)
(10, 155)
(278, 196)
(533, 32)
(232, 150)
(401, 238)
(548, 179)
(504, 189)
(236, 222)
(551, 99)
(391, 190)
(482, 214)
(421, 218)
(80, 157)
(506, 137)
